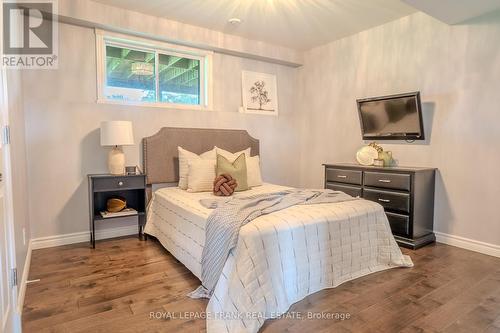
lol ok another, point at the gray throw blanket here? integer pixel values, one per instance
(230, 214)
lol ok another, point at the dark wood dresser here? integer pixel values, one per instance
(406, 193)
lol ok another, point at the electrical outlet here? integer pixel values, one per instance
(24, 236)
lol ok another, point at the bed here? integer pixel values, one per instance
(280, 258)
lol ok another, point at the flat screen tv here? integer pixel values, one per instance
(395, 117)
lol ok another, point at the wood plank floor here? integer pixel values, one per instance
(115, 287)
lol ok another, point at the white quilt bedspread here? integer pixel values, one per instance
(282, 257)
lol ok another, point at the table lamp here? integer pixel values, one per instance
(116, 134)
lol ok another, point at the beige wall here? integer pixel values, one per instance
(457, 70)
(62, 121)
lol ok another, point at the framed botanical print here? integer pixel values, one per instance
(260, 93)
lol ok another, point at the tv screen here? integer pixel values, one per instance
(396, 117)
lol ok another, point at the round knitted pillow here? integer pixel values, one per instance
(224, 185)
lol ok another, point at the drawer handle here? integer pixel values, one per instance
(120, 183)
(340, 176)
(384, 180)
(384, 200)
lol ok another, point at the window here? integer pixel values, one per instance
(179, 79)
(130, 75)
(137, 72)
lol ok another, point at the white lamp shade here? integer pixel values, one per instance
(117, 133)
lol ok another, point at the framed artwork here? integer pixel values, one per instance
(260, 93)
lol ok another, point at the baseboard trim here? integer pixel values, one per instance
(468, 244)
(24, 280)
(80, 237)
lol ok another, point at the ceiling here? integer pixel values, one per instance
(299, 24)
(455, 11)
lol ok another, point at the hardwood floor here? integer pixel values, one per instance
(115, 287)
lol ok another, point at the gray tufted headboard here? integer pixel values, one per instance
(160, 157)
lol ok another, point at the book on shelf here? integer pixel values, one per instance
(122, 213)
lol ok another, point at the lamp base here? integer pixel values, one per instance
(116, 161)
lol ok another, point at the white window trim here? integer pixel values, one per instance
(206, 68)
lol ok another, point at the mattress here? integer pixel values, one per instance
(280, 258)
(177, 219)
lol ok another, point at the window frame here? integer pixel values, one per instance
(104, 38)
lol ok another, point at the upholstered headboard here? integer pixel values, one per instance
(160, 157)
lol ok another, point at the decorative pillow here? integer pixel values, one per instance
(185, 156)
(237, 170)
(230, 156)
(201, 175)
(224, 185)
(253, 171)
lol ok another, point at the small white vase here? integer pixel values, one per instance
(116, 161)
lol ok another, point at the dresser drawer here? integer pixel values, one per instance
(344, 176)
(400, 224)
(394, 181)
(351, 190)
(389, 200)
(118, 183)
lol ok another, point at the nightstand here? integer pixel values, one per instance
(130, 187)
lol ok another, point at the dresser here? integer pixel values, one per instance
(406, 193)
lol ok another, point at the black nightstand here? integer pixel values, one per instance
(130, 187)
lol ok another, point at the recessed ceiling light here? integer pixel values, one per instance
(234, 21)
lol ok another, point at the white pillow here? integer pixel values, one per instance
(254, 177)
(230, 156)
(201, 175)
(185, 156)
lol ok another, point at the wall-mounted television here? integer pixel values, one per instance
(395, 117)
